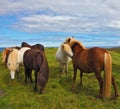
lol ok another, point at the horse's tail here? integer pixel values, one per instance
(107, 75)
(43, 73)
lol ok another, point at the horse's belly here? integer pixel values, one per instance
(85, 68)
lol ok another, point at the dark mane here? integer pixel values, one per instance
(36, 46)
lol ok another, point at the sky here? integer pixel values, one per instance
(50, 22)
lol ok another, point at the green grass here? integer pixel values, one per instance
(58, 94)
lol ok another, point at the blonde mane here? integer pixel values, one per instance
(71, 41)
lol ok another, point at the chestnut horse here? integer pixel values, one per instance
(63, 57)
(36, 46)
(36, 60)
(93, 60)
(6, 52)
(4, 55)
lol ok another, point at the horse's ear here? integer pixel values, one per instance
(63, 46)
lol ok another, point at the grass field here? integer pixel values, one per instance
(58, 94)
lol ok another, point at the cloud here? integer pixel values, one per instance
(81, 16)
(54, 23)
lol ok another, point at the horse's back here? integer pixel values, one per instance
(21, 53)
(32, 58)
(91, 59)
(36, 46)
(12, 60)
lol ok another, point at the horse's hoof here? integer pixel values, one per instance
(25, 82)
(116, 97)
(31, 81)
(99, 97)
(41, 91)
(73, 89)
(80, 84)
(35, 89)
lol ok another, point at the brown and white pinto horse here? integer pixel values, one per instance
(93, 60)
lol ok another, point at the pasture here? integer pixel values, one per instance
(58, 94)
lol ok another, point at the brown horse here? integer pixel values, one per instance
(93, 60)
(36, 60)
(36, 46)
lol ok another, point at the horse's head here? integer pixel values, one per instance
(67, 49)
(71, 41)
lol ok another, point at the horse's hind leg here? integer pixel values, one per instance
(99, 78)
(35, 81)
(60, 71)
(81, 74)
(30, 76)
(114, 85)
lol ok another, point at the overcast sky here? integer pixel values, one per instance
(93, 22)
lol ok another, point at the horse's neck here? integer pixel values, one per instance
(77, 49)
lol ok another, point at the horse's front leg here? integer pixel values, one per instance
(81, 74)
(17, 71)
(30, 76)
(61, 70)
(74, 78)
(26, 74)
(66, 69)
(99, 78)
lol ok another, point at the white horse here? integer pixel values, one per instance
(63, 55)
(15, 58)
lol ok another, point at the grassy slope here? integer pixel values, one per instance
(58, 95)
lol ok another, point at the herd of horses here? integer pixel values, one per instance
(33, 57)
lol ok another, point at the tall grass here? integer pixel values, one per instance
(58, 94)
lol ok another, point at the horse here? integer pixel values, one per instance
(5, 53)
(36, 60)
(63, 57)
(93, 60)
(36, 46)
(14, 59)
